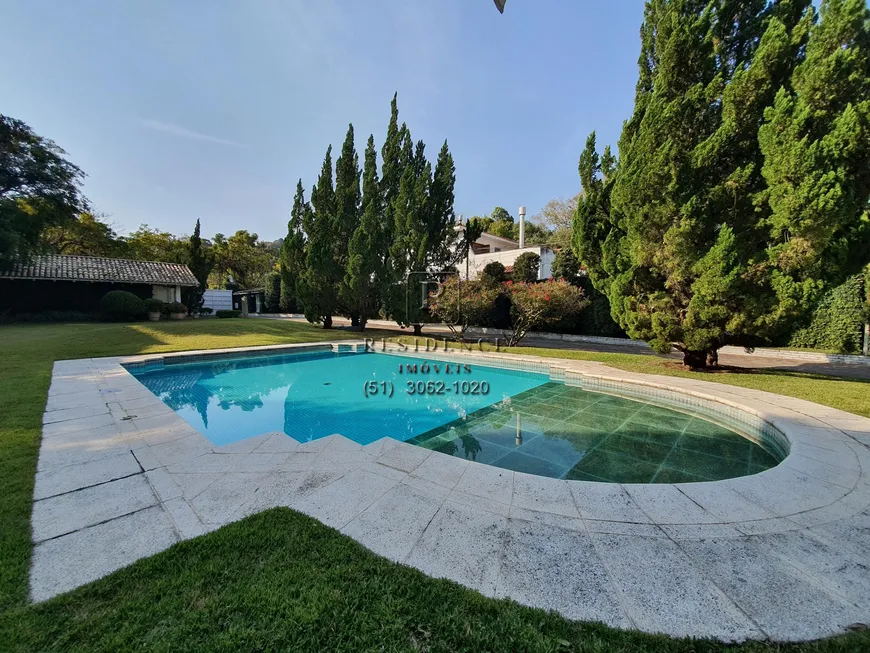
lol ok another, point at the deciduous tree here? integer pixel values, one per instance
(147, 244)
(39, 188)
(242, 257)
(84, 235)
(555, 220)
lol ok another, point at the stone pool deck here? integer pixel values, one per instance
(781, 555)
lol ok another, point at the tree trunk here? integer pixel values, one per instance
(696, 360)
(361, 324)
(418, 329)
(327, 322)
(354, 320)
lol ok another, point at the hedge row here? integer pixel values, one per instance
(838, 322)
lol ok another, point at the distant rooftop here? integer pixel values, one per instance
(95, 268)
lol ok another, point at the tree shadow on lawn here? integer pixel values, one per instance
(796, 372)
(28, 352)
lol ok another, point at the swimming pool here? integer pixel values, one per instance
(513, 419)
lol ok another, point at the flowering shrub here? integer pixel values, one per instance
(536, 305)
(460, 304)
(532, 305)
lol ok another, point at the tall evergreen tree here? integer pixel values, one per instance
(441, 234)
(408, 253)
(293, 250)
(200, 263)
(393, 164)
(716, 226)
(365, 276)
(594, 230)
(347, 215)
(816, 145)
(317, 287)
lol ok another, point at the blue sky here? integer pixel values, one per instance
(179, 110)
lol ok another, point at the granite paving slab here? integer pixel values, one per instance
(777, 555)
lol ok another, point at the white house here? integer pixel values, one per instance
(490, 248)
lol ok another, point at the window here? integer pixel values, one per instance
(164, 293)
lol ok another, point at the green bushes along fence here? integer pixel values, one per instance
(838, 322)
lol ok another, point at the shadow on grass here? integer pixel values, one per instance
(282, 581)
(788, 372)
(28, 353)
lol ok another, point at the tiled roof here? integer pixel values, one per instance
(94, 268)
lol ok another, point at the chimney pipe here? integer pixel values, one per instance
(522, 213)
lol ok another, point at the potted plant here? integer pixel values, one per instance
(177, 310)
(154, 307)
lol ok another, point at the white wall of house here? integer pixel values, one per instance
(218, 300)
(476, 262)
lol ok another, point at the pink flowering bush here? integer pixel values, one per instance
(461, 304)
(539, 305)
(532, 305)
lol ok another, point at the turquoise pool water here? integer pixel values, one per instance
(313, 395)
(511, 419)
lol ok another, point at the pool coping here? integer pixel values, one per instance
(122, 473)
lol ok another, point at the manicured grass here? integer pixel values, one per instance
(851, 395)
(28, 352)
(279, 580)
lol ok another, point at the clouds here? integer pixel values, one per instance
(183, 132)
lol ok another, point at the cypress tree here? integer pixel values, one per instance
(364, 278)
(391, 156)
(691, 236)
(200, 264)
(441, 235)
(592, 224)
(408, 254)
(816, 145)
(317, 287)
(347, 215)
(293, 250)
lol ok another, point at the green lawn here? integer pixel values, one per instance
(279, 580)
(27, 353)
(851, 395)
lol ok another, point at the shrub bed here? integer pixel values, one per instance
(154, 305)
(122, 305)
(232, 313)
(837, 322)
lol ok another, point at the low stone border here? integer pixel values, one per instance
(781, 554)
